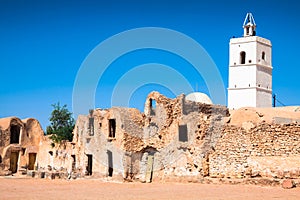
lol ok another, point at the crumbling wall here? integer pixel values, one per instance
(109, 155)
(262, 151)
(179, 141)
(133, 123)
(56, 160)
(186, 159)
(183, 133)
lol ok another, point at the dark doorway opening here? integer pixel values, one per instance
(183, 133)
(90, 165)
(14, 134)
(14, 156)
(73, 162)
(112, 128)
(32, 159)
(110, 163)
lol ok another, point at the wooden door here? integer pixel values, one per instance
(149, 171)
(14, 156)
(32, 158)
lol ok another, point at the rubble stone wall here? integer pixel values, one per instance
(266, 150)
(176, 157)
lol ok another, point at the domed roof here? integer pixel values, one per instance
(199, 97)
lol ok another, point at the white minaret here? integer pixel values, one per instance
(250, 69)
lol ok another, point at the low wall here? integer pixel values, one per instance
(266, 150)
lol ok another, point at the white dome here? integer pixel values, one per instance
(199, 97)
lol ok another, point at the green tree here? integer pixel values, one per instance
(62, 124)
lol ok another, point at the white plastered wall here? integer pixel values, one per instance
(250, 84)
(241, 98)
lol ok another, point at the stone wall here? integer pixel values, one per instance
(57, 160)
(265, 150)
(180, 134)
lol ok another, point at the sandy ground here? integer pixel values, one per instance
(12, 188)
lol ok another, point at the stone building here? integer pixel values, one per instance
(170, 139)
(19, 144)
(181, 140)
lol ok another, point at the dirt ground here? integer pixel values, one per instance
(12, 188)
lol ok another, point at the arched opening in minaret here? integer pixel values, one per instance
(243, 57)
(247, 30)
(263, 55)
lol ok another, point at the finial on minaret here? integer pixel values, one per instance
(249, 25)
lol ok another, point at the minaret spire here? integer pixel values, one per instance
(249, 25)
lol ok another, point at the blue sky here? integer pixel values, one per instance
(43, 44)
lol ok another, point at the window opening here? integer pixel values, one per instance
(243, 57)
(112, 128)
(263, 55)
(183, 133)
(91, 125)
(152, 106)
